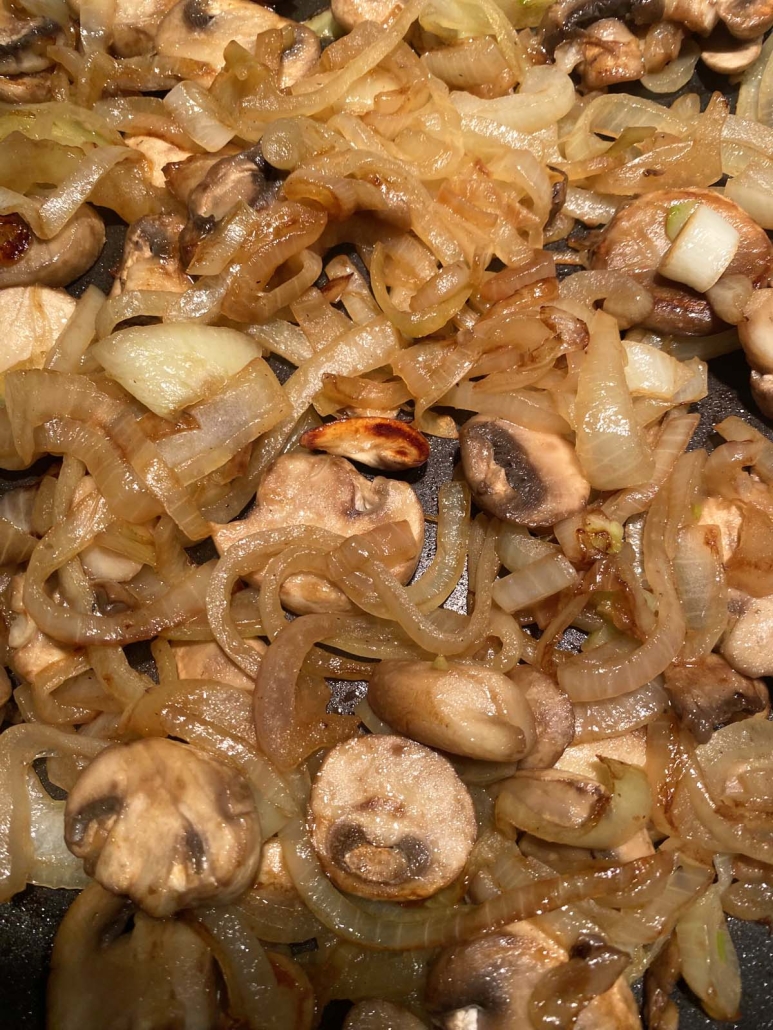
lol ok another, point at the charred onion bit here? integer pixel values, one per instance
(488, 984)
(164, 824)
(521, 475)
(382, 443)
(708, 693)
(15, 238)
(636, 240)
(391, 820)
(466, 709)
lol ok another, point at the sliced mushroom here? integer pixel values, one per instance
(328, 493)
(488, 983)
(728, 55)
(349, 13)
(746, 19)
(708, 693)
(748, 644)
(24, 41)
(382, 443)
(762, 392)
(26, 260)
(391, 820)
(565, 808)
(31, 319)
(610, 53)
(381, 1015)
(467, 709)
(164, 824)
(553, 716)
(239, 177)
(566, 18)
(151, 257)
(208, 661)
(755, 331)
(201, 30)
(139, 971)
(521, 475)
(25, 89)
(636, 240)
(33, 650)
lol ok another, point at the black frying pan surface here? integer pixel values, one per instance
(29, 922)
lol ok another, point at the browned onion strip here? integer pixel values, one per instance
(409, 929)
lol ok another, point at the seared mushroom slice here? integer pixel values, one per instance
(26, 260)
(329, 493)
(746, 19)
(610, 53)
(755, 330)
(488, 983)
(521, 475)
(164, 824)
(24, 41)
(25, 89)
(382, 443)
(381, 1015)
(151, 257)
(238, 177)
(391, 820)
(728, 55)
(466, 709)
(31, 319)
(708, 693)
(201, 30)
(568, 17)
(636, 240)
(553, 716)
(748, 644)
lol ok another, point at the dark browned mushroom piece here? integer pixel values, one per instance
(151, 257)
(318, 490)
(382, 443)
(636, 240)
(708, 693)
(24, 42)
(488, 984)
(466, 709)
(553, 716)
(568, 18)
(746, 19)
(610, 54)
(390, 819)
(26, 260)
(520, 475)
(164, 824)
(230, 180)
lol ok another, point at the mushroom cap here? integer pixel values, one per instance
(748, 644)
(325, 492)
(487, 984)
(553, 716)
(610, 53)
(746, 19)
(391, 820)
(521, 475)
(635, 240)
(466, 709)
(60, 260)
(164, 824)
(708, 693)
(729, 55)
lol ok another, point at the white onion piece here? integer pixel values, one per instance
(650, 372)
(677, 73)
(702, 588)
(198, 113)
(591, 208)
(541, 579)
(517, 548)
(601, 719)
(709, 960)
(169, 367)
(545, 96)
(53, 864)
(752, 189)
(702, 251)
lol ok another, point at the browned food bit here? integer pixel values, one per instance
(390, 819)
(24, 41)
(164, 824)
(660, 1012)
(325, 492)
(151, 257)
(610, 53)
(746, 19)
(382, 443)
(636, 240)
(15, 238)
(466, 709)
(521, 475)
(708, 693)
(553, 716)
(26, 260)
(487, 984)
(561, 994)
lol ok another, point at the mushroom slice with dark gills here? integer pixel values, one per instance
(490, 984)
(26, 260)
(390, 819)
(151, 257)
(466, 709)
(521, 475)
(233, 179)
(200, 30)
(636, 240)
(24, 41)
(709, 693)
(327, 493)
(165, 825)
